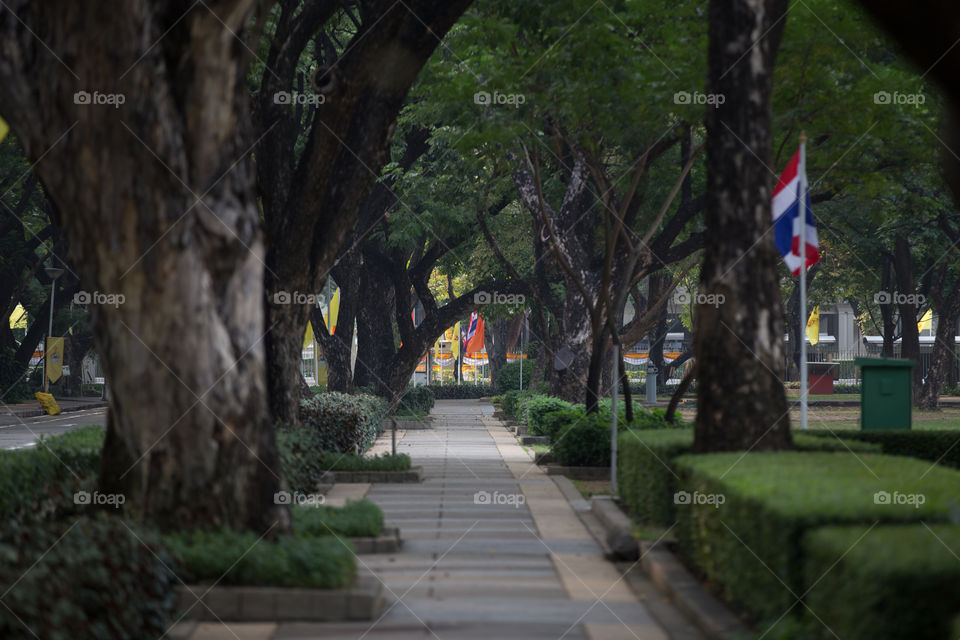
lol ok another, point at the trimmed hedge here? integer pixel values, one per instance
(244, 558)
(416, 400)
(510, 404)
(40, 481)
(357, 518)
(90, 578)
(937, 445)
(751, 545)
(344, 423)
(508, 378)
(647, 479)
(585, 443)
(898, 582)
(461, 391)
(534, 408)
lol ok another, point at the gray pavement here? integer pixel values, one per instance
(492, 549)
(19, 432)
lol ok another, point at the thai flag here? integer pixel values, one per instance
(471, 328)
(786, 216)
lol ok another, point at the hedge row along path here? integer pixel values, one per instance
(470, 567)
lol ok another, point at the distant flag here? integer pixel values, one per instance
(473, 340)
(455, 341)
(308, 335)
(813, 326)
(786, 216)
(926, 321)
(333, 312)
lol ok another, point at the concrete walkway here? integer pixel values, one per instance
(492, 550)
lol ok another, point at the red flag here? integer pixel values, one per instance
(474, 337)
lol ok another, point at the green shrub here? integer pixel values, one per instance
(41, 481)
(13, 380)
(536, 407)
(93, 578)
(345, 423)
(244, 558)
(304, 461)
(584, 443)
(846, 388)
(654, 419)
(508, 378)
(358, 518)
(461, 391)
(751, 545)
(937, 445)
(416, 400)
(511, 402)
(898, 582)
(552, 423)
(647, 479)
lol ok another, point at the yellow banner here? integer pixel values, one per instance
(926, 321)
(54, 359)
(4, 129)
(813, 326)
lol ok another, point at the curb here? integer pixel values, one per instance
(577, 473)
(361, 601)
(528, 440)
(709, 614)
(415, 474)
(619, 529)
(36, 413)
(388, 541)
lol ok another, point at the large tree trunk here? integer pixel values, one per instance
(739, 344)
(155, 198)
(575, 335)
(943, 358)
(375, 334)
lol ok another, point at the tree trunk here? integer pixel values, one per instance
(495, 342)
(739, 344)
(155, 197)
(376, 344)
(943, 358)
(886, 307)
(909, 332)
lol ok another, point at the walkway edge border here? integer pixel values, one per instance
(364, 600)
(708, 613)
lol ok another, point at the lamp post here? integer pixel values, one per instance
(53, 273)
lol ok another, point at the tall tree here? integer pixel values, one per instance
(317, 166)
(741, 403)
(134, 120)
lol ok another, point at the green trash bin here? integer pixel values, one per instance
(885, 393)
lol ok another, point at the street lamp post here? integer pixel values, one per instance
(53, 273)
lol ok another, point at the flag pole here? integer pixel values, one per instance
(803, 279)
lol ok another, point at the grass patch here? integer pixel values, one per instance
(359, 518)
(243, 558)
(331, 461)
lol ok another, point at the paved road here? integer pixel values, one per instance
(17, 433)
(492, 549)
